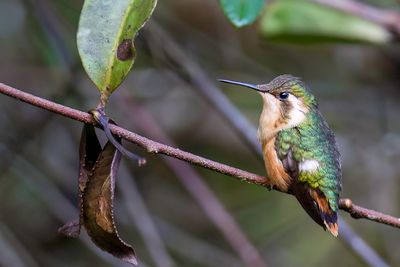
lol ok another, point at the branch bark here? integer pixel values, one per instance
(151, 146)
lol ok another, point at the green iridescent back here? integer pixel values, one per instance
(313, 140)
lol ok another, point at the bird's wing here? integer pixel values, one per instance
(310, 157)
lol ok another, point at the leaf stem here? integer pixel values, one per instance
(101, 118)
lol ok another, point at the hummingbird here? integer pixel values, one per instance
(299, 149)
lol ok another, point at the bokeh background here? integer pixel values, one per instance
(172, 213)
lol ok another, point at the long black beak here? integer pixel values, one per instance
(248, 85)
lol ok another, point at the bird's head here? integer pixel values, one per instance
(285, 95)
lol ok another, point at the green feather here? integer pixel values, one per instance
(313, 140)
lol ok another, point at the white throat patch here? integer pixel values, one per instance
(298, 113)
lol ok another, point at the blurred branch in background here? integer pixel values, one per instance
(140, 215)
(359, 246)
(200, 251)
(386, 18)
(151, 146)
(189, 70)
(208, 201)
(27, 133)
(53, 31)
(62, 209)
(12, 252)
(58, 205)
(159, 40)
(168, 52)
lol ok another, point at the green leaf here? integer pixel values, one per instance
(105, 38)
(303, 21)
(242, 12)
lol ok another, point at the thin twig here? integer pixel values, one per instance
(151, 146)
(358, 212)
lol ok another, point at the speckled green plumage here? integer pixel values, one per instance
(313, 140)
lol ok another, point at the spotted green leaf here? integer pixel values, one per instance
(105, 38)
(242, 12)
(304, 21)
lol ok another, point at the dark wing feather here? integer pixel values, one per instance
(313, 201)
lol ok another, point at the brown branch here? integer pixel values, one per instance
(358, 212)
(151, 146)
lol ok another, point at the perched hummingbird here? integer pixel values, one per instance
(299, 148)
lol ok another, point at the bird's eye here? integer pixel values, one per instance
(283, 95)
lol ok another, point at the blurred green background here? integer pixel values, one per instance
(350, 65)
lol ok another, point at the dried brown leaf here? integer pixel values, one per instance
(98, 197)
(89, 151)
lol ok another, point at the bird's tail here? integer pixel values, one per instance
(317, 206)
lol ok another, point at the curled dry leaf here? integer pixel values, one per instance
(89, 151)
(98, 197)
(97, 172)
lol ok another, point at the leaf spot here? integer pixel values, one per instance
(125, 50)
